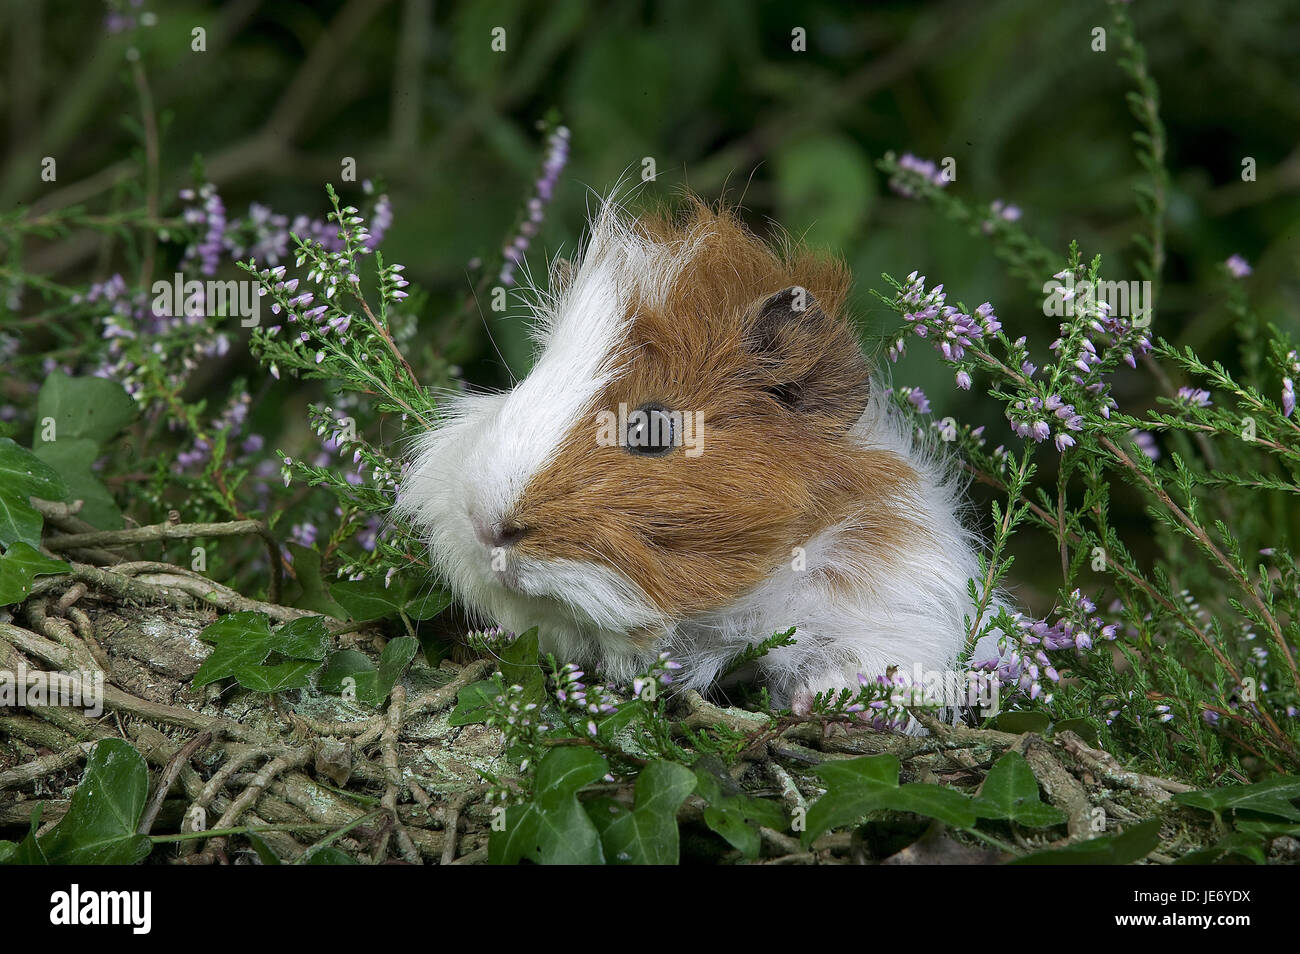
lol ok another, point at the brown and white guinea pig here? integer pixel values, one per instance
(766, 483)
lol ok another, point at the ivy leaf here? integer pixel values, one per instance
(397, 655)
(304, 638)
(553, 828)
(326, 855)
(934, 801)
(294, 674)
(242, 640)
(1083, 728)
(368, 599)
(1273, 796)
(73, 458)
(737, 818)
(646, 835)
(19, 566)
(104, 812)
(1249, 845)
(24, 475)
(1130, 845)
(1022, 722)
(855, 787)
(94, 408)
(429, 605)
(518, 663)
(265, 853)
(472, 703)
(347, 670)
(1010, 791)
(314, 595)
(351, 669)
(28, 852)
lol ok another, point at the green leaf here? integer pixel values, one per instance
(935, 801)
(28, 851)
(19, 566)
(435, 646)
(1267, 829)
(326, 855)
(553, 828)
(94, 408)
(1022, 722)
(614, 723)
(22, 476)
(349, 669)
(646, 835)
(1273, 796)
(429, 605)
(20, 469)
(369, 599)
(104, 812)
(294, 674)
(314, 595)
(737, 818)
(1130, 845)
(518, 664)
(397, 655)
(472, 703)
(242, 640)
(855, 787)
(304, 638)
(264, 851)
(73, 458)
(372, 686)
(1248, 845)
(1083, 728)
(1010, 791)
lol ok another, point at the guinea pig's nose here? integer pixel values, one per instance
(500, 534)
(507, 535)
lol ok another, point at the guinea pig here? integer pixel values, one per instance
(700, 456)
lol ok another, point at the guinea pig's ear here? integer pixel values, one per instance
(808, 361)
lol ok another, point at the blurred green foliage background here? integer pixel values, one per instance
(714, 92)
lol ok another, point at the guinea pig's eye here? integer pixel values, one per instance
(651, 431)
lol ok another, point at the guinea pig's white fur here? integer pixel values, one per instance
(475, 465)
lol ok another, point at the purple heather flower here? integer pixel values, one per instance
(1288, 397)
(923, 168)
(1146, 443)
(1194, 397)
(557, 156)
(1004, 211)
(1238, 266)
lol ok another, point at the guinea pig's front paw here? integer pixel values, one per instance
(801, 702)
(802, 695)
